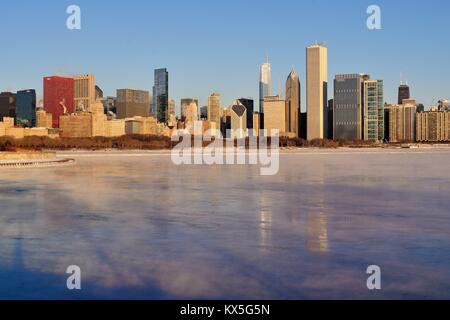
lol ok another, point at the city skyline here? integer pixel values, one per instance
(198, 71)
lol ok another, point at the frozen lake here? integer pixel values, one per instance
(140, 227)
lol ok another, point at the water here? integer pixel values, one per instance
(142, 228)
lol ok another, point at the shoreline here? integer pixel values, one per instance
(64, 157)
(282, 151)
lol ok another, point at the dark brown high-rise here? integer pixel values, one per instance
(403, 93)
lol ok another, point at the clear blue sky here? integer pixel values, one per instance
(212, 45)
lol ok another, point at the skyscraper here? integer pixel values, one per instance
(264, 84)
(7, 105)
(275, 116)
(373, 110)
(239, 121)
(161, 95)
(214, 109)
(84, 92)
(403, 93)
(293, 103)
(317, 90)
(347, 106)
(250, 107)
(58, 97)
(400, 122)
(26, 108)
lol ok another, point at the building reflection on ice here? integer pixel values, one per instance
(265, 223)
(316, 215)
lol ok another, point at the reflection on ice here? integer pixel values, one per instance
(140, 227)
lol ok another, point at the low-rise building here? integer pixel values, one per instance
(43, 119)
(36, 132)
(77, 125)
(9, 122)
(141, 125)
(115, 128)
(16, 133)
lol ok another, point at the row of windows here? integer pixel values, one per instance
(346, 123)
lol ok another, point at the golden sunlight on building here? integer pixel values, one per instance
(43, 119)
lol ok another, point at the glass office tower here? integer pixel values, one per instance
(161, 95)
(26, 108)
(347, 106)
(374, 110)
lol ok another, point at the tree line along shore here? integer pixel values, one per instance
(150, 142)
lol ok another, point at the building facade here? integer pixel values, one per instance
(316, 91)
(26, 108)
(43, 119)
(264, 84)
(204, 113)
(160, 104)
(239, 121)
(191, 112)
(7, 104)
(214, 107)
(256, 124)
(275, 115)
(444, 105)
(347, 106)
(172, 108)
(189, 109)
(293, 103)
(249, 105)
(433, 126)
(373, 110)
(58, 97)
(84, 92)
(401, 123)
(131, 103)
(403, 93)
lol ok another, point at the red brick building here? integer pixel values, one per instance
(58, 93)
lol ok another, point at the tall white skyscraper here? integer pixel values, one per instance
(264, 84)
(316, 91)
